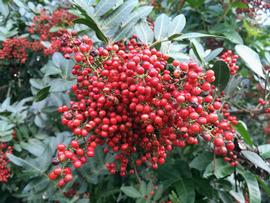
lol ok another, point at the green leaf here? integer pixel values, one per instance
(264, 151)
(213, 54)
(23, 163)
(239, 4)
(177, 25)
(222, 74)
(185, 190)
(256, 160)
(92, 24)
(139, 13)
(120, 14)
(201, 161)
(131, 192)
(252, 184)
(219, 168)
(263, 185)
(191, 35)
(55, 28)
(42, 94)
(104, 6)
(198, 50)
(251, 58)
(233, 36)
(242, 130)
(144, 33)
(161, 27)
(125, 32)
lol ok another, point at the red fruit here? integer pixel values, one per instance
(149, 129)
(218, 142)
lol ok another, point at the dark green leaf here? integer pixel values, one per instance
(185, 190)
(42, 94)
(222, 74)
(92, 24)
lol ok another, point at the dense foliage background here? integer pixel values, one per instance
(36, 78)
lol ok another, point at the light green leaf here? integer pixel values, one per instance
(264, 151)
(139, 13)
(104, 6)
(161, 27)
(256, 160)
(144, 33)
(177, 25)
(191, 35)
(242, 129)
(251, 58)
(23, 163)
(131, 192)
(213, 54)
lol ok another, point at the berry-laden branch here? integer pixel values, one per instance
(132, 104)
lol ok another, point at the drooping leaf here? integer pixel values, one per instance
(161, 27)
(256, 160)
(131, 191)
(222, 74)
(251, 58)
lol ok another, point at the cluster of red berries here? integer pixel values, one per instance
(43, 23)
(16, 48)
(137, 105)
(4, 168)
(231, 59)
(253, 6)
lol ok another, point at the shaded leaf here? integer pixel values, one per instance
(222, 74)
(144, 33)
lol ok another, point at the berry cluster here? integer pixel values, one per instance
(231, 59)
(43, 23)
(137, 105)
(16, 48)
(4, 168)
(253, 6)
